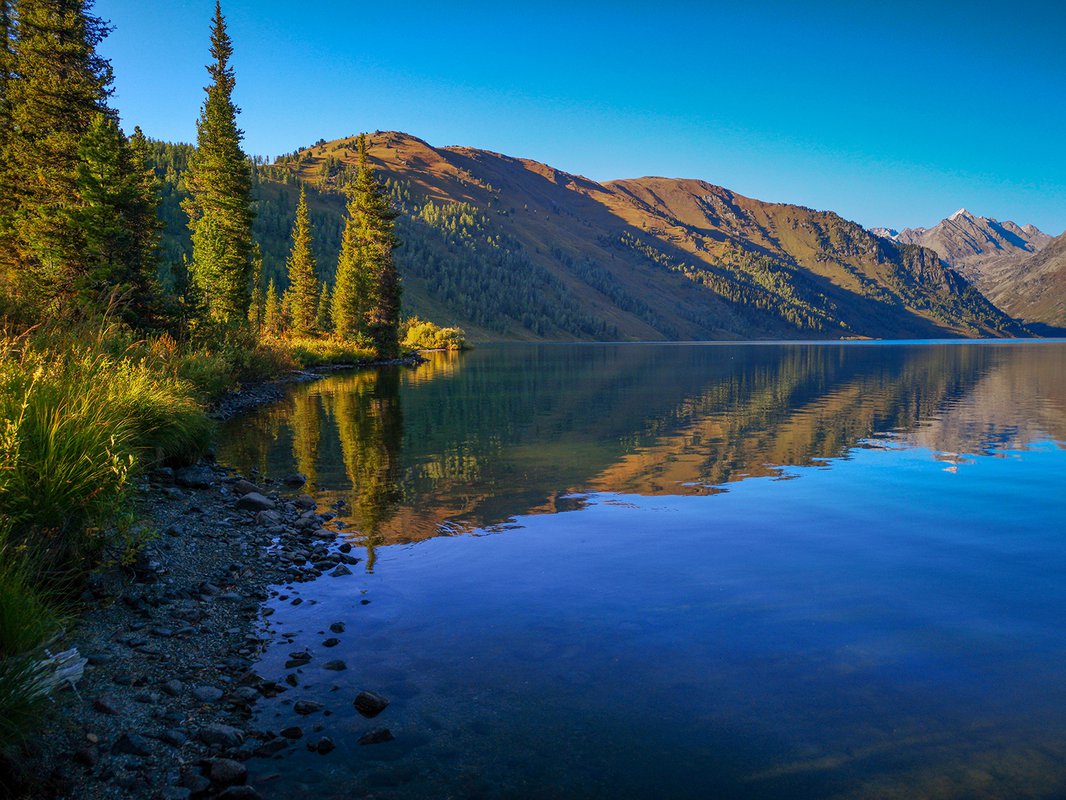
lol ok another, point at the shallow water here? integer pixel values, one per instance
(833, 570)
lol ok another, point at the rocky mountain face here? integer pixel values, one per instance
(999, 258)
(1033, 288)
(514, 249)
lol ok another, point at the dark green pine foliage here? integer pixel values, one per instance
(57, 85)
(6, 66)
(272, 316)
(257, 306)
(117, 216)
(350, 290)
(324, 322)
(303, 295)
(220, 204)
(377, 239)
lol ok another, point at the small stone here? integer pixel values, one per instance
(325, 745)
(295, 479)
(305, 501)
(221, 735)
(245, 695)
(336, 665)
(131, 744)
(105, 705)
(337, 627)
(173, 687)
(376, 736)
(346, 547)
(331, 642)
(173, 737)
(174, 793)
(305, 707)
(254, 501)
(87, 757)
(240, 793)
(194, 477)
(227, 772)
(295, 732)
(370, 704)
(273, 747)
(243, 487)
(340, 571)
(207, 694)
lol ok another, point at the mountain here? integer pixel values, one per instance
(972, 244)
(510, 248)
(1002, 259)
(1034, 288)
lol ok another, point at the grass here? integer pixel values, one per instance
(309, 352)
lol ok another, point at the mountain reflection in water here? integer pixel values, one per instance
(470, 441)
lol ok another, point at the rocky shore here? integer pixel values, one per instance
(163, 710)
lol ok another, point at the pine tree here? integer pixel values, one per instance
(272, 317)
(324, 321)
(56, 86)
(350, 292)
(256, 308)
(220, 204)
(377, 239)
(302, 294)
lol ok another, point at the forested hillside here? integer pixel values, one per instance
(513, 249)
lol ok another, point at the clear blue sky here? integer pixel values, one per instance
(897, 114)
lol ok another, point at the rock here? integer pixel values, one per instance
(305, 707)
(295, 732)
(376, 736)
(132, 745)
(105, 705)
(268, 518)
(243, 487)
(207, 694)
(88, 756)
(340, 571)
(240, 793)
(173, 687)
(273, 747)
(325, 745)
(295, 479)
(173, 737)
(305, 501)
(194, 477)
(174, 793)
(337, 627)
(227, 772)
(336, 665)
(370, 704)
(331, 642)
(219, 735)
(195, 782)
(254, 501)
(245, 695)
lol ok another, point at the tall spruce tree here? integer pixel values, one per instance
(257, 307)
(303, 282)
(55, 87)
(366, 290)
(117, 212)
(350, 291)
(220, 204)
(325, 307)
(273, 321)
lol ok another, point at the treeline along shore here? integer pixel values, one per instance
(108, 383)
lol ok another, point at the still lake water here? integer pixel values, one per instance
(682, 571)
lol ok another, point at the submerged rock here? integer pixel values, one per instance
(254, 501)
(377, 736)
(370, 704)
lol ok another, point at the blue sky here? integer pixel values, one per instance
(894, 115)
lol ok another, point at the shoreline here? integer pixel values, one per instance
(164, 705)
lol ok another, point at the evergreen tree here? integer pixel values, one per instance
(256, 309)
(116, 215)
(377, 239)
(219, 183)
(302, 294)
(350, 292)
(272, 317)
(324, 321)
(55, 86)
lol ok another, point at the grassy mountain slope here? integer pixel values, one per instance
(510, 248)
(1034, 288)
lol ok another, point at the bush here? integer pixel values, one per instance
(418, 334)
(309, 352)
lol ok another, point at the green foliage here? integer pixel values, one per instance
(273, 320)
(219, 203)
(418, 334)
(56, 85)
(312, 352)
(303, 293)
(351, 292)
(324, 319)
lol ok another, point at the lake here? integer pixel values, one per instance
(680, 571)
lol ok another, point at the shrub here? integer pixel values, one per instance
(418, 334)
